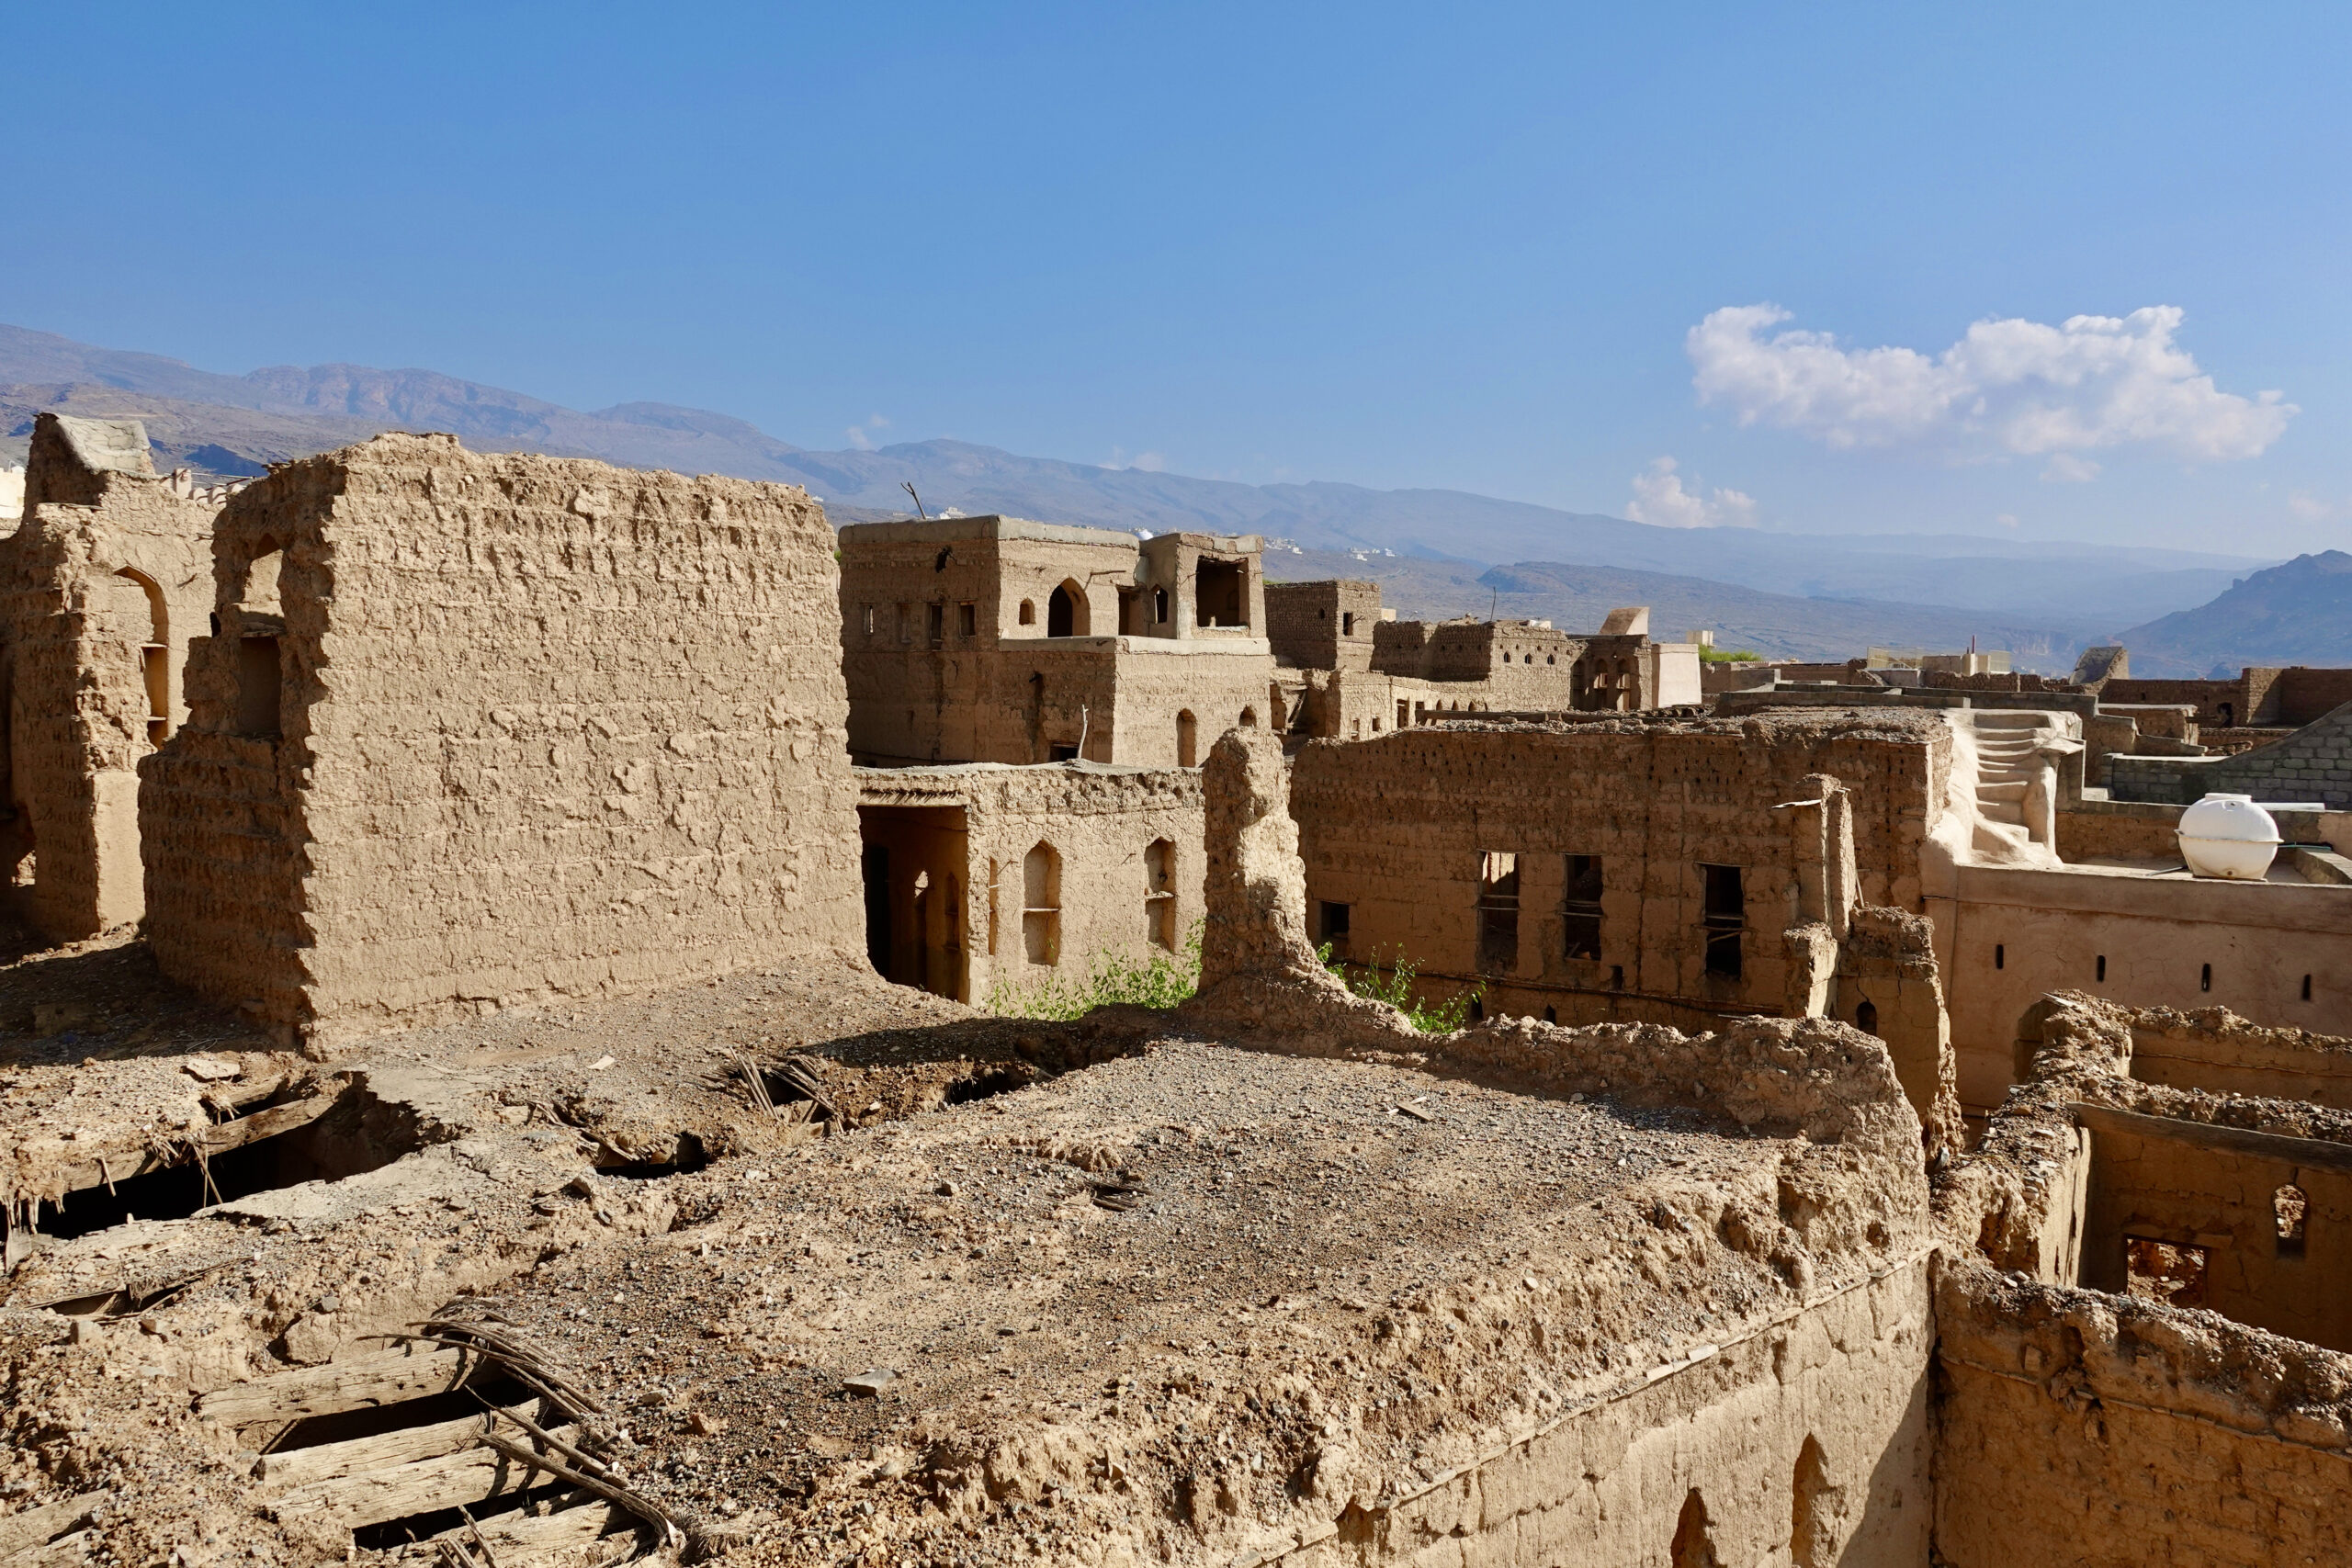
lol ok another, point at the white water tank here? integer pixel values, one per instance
(2228, 835)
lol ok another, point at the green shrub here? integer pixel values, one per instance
(1395, 985)
(1728, 656)
(1113, 979)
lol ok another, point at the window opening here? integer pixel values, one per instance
(1866, 1017)
(1616, 976)
(1159, 893)
(1355, 730)
(1250, 719)
(1028, 613)
(1066, 612)
(1581, 910)
(156, 671)
(1159, 606)
(2172, 1272)
(906, 624)
(2100, 973)
(1694, 1545)
(1220, 593)
(2000, 955)
(1550, 1015)
(875, 862)
(865, 617)
(1404, 717)
(1725, 917)
(994, 867)
(1332, 925)
(2307, 988)
(1061, 752)
(1497, 911)
(2290, 1207)
(968, 619)
(1041, 905)
(2205, 979)
(1477, 1009)
(259, 686)
(1187, 740)
(936, 622)
(1815, 1508)
(1348, 624)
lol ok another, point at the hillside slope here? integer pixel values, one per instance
(2300, 612)
(236, 424)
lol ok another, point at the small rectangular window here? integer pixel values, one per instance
(865, 617)
(968, 620)
(259, 683)
(1582, 906)
(936, 622)
(1725, 917)
(1331, 923)
(1348, 624)
(1497, 911)
(906, 624)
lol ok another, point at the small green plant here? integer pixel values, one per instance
(1113, 979)
(1395, 985)
(1728, 656)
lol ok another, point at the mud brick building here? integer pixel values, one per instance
(995, 640)
(478, 730)
(988, 882)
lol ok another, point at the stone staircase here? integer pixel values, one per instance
(2007, 761)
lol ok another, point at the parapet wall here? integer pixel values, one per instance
(2313, 764)
(537, 728)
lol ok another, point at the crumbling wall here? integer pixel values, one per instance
(1396, 830)
(102, 584)
(1806, 1442)
(2215, 1050)
(2073, 1426)
(523, 728)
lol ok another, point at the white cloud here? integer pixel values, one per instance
(2006, 519)
(2066, 468)
(2311, 508)
(1147, 462)
(1660, 499)
(2008, 386)
(861, 436)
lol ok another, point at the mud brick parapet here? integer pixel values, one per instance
(477, 730)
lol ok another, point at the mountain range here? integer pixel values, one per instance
(1788, 595)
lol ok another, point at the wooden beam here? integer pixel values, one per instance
(534, 1534)
(394, 1492)
(37, 1527)
(297, 1467)
(355, 1384)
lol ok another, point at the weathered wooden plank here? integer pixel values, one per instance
(352, 1385)
(522, 1538)
(34, 1527)
(299, 1467)
(469, 1476)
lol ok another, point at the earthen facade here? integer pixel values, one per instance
(993, 640)
(106, 580)
(480, 730)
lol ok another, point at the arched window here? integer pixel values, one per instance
(152, 623)
(1041, 905)
(1816, 1509)
(1159, 606)
(1066, 612)
(1866, 1017)
(1028, 612)
(1249, 718)
(1694, 1545)
(2290, 1207)
(1159, 893)
(1187, 740)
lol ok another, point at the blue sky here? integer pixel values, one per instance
(1463, 246)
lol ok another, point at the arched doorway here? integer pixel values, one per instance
(1066, 612)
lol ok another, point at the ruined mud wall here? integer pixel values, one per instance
(2079, 1427)
(1396, 830)
(543, 729)
(104, 582)
(2215, 1050)
(1309, 624)
(1805, 1441)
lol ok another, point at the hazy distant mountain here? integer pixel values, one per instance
(2297, 613)
(1778, 625)
(236, 424)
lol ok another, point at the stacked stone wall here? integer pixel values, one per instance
(2314, 764)
(547, 729)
